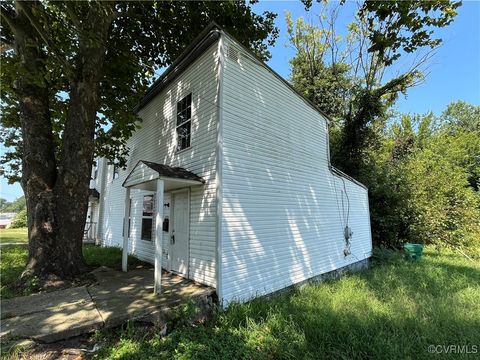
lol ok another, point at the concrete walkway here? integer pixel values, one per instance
(115, 298)
(14, 244)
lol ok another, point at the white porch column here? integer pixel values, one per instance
(158, 235)
(125, 230)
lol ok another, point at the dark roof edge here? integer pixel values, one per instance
(206, 38)
(340, 173)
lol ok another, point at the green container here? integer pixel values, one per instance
(414, 251)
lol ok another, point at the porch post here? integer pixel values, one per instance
(125, 230)
(158, 235)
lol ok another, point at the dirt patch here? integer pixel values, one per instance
(80, 347)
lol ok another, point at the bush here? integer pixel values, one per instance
(20, 220)
(445, 208)
(424, 185)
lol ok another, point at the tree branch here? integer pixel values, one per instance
(8, 16)
(40, 31)
(71, 14)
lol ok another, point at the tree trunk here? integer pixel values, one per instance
(79, 135)
(57, 193)
(38, 162)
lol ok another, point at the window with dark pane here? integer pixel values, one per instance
(184, 122)
(147, 217)
(116, 171)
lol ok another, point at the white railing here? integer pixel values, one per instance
(90, 231)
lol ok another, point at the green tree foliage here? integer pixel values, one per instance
(144, 37)
(326, 85)
(345, 75)
(71, 74)
(424, 187)
(20, 220)
(15, 206)
(461, 115)
(396, 26)
(445, 210)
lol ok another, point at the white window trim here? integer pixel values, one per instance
(177, 151)
(148, 217)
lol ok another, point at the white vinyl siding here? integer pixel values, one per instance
(156, 141)
(281, 222)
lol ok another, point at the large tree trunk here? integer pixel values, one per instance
(78, 139)
(38, 162)
(57, 194)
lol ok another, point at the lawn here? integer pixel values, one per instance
(396, 310)
(13, 235)
(14, 258)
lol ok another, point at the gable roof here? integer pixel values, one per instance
(145, 171)
(207, 37)
(202, 42)
(172, 172)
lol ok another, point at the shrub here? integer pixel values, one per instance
(20, 220)
(446, 209)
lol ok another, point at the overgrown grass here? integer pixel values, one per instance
(13, 235)
(392, 311)
(14, 258)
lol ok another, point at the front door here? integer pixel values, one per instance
(180, 233)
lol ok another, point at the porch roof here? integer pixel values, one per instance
(145, 172)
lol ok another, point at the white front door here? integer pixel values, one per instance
(180, 233)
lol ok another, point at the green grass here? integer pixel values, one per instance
(12, 263)
(392, 311)
(111, 257)
(13, 235)
(14, 258)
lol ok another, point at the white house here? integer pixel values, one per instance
(229, 181)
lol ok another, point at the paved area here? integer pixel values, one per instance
(115, 298)
(14, 244)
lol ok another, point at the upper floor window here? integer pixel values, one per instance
(116, 171)
(184, 122)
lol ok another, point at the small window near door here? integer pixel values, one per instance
(147, 217)
(184, 122)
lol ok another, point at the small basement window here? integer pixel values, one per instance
(147, 217)
(184, 122)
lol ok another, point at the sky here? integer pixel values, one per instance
(454, 71)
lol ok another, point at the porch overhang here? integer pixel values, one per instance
(159, 178)
(146, 173)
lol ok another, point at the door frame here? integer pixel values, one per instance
(170, 229)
